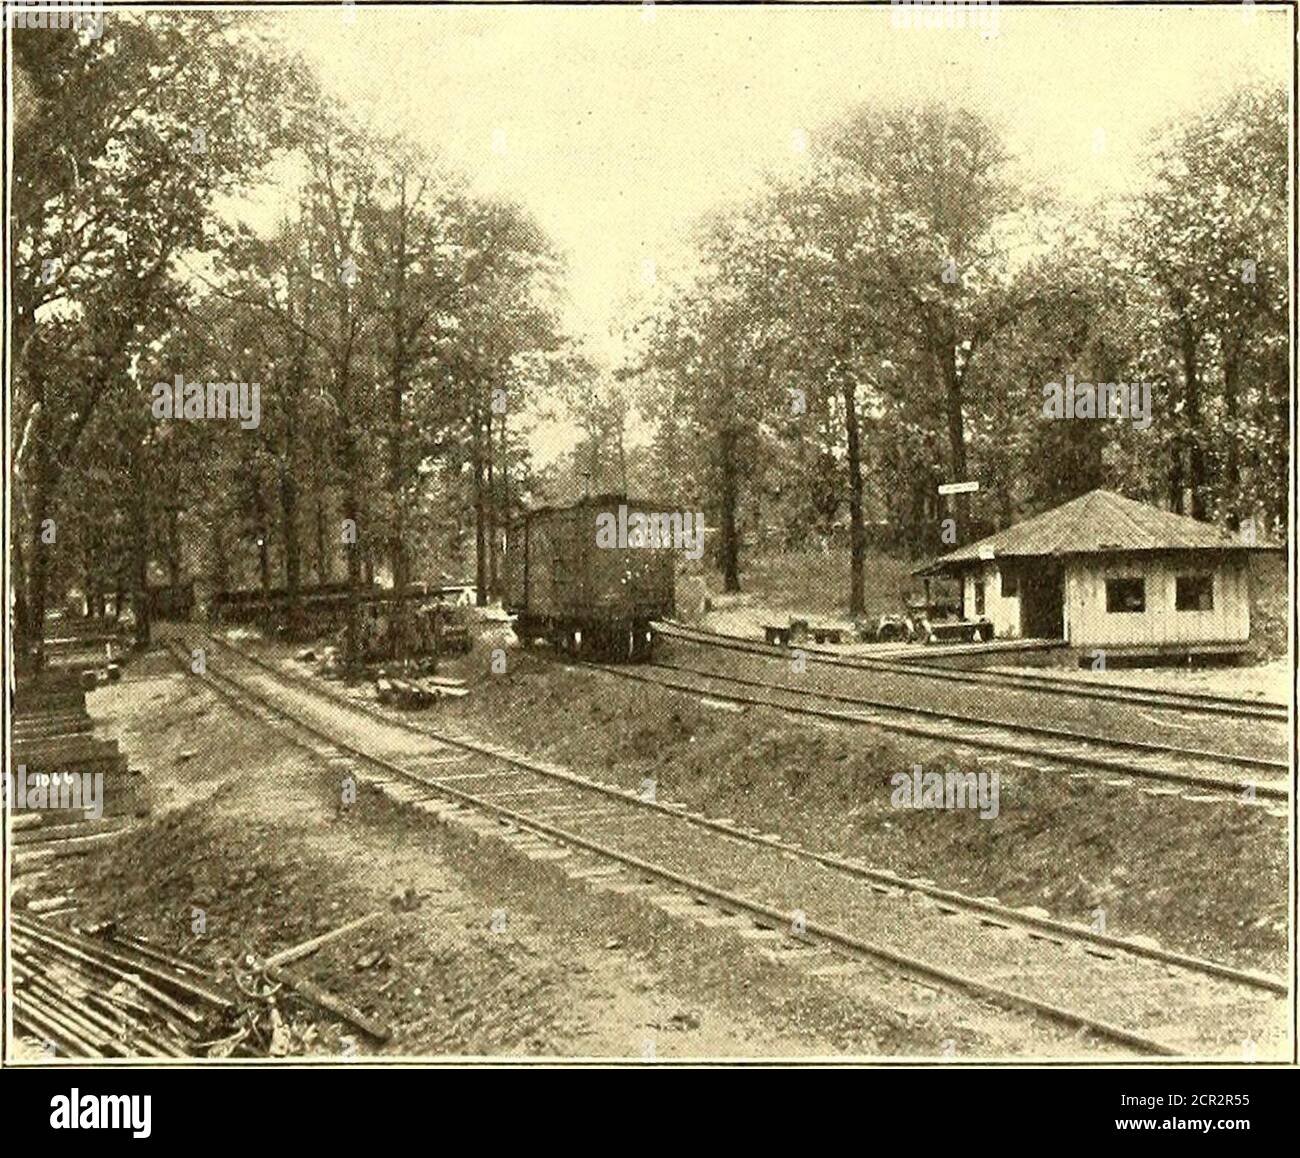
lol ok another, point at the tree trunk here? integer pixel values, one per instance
(37, 592)
(480, 519)
(622, 458)
(493, 562)
(1232, 410)
(956, 423)
(322, 547)
(402, 633)
(174, 546)
(1175, 475)
(729, 469)
(88, 581)
(857, 527)
(351, 463)
(290, 498)
(21, 628)
(140, 553)
(43, 477)
(1192, 413)
(292, 546)
(506, 513)
(263, 552)
(352, 551)
(220, 554)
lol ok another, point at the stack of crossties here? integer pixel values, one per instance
(67, 790)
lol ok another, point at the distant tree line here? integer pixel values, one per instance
(886, 320)
(878, 323)
(395, 326)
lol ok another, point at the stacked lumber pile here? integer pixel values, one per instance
(53, 747)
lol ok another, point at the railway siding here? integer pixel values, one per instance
(1010, 700)
(1142, 991)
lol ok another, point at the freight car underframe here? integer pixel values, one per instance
(583, 637)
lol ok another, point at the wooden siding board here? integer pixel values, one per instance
(1090, 624)
(1003, 611)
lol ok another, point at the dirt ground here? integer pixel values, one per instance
(1202, 876)
(1269, 681)
(478, 952)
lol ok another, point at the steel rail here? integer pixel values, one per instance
(757, 910)
(1192, 779)
(1205, 702)
(811, 932)
(1063, 734)
(1065, 929)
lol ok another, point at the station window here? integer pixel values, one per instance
(1194, 593)
(1126, 595)
(1010, 584)
(979, 596)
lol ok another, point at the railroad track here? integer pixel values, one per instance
(1254, 778)
(1173, 1003)
(1190, 701)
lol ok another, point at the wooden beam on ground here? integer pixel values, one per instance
(307, 948)
(331, 1004)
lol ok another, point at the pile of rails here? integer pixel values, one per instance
(71, 790)
(320, 604)
(112, 995)
(409, 683)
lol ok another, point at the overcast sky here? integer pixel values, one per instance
(619, 126)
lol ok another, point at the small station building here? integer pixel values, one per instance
(1104, 571)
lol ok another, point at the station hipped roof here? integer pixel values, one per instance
(1099, 522)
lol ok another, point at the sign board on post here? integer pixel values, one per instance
(961, 488)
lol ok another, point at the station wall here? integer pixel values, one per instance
(1160, 621)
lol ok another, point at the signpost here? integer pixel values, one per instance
(957, 488)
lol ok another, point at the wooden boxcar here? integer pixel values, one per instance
(587, 599)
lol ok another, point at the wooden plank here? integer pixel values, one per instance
(331, 1004)
(307, 948)
(38, 832)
